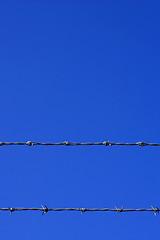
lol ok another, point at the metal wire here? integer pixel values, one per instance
(105, 143)
(82, 210)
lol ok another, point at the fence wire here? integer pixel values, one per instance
(66, 143)
(82, 210)
(45, 209)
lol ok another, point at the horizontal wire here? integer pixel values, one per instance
(82, 210)
(105, 143)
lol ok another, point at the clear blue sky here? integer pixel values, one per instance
(79, 71)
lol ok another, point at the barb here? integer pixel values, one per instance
(45, 209)
(82, 210)
(119, 209)
(156, 210)
(105, 143)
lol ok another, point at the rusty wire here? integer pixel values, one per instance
(45, 209)
(66, 143)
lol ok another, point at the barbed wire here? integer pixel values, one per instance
(105, 143)
(45, 209)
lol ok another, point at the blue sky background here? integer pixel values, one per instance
(79, 71)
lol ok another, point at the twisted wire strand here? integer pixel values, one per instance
(66, 143)
(45, 209)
